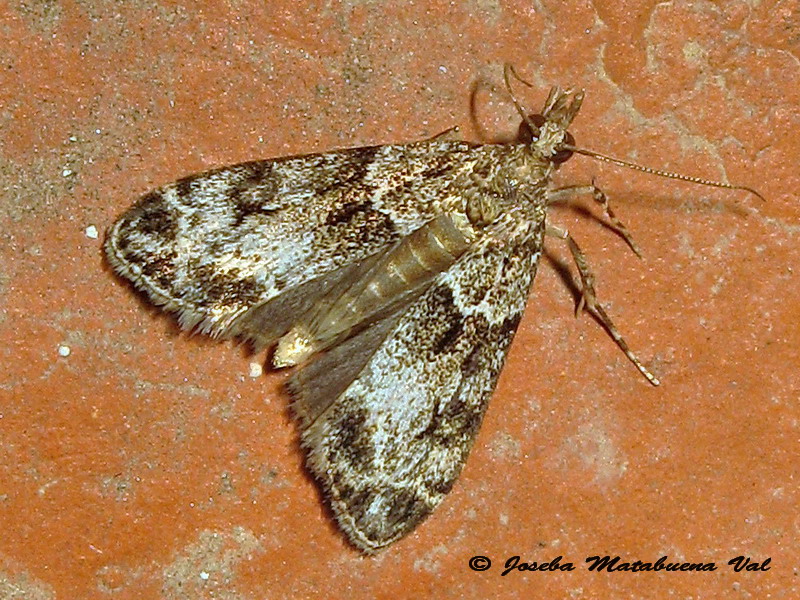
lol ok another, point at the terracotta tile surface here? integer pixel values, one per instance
(150, 464)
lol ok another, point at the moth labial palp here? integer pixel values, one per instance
(392, 277)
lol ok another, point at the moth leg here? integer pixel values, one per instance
(589, 300)
(443, 134)
(599, 196)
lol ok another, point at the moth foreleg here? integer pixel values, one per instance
(599, 196)
(589, 300)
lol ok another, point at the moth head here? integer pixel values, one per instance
(546, 132)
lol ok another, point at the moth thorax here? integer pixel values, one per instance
(481, 209)
(399, 274)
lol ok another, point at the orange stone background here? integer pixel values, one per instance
(150, 464)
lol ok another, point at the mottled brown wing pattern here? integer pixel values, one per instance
(212, 246)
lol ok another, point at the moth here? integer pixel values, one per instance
(393, 279)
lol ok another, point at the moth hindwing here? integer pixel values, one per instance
(393, 277)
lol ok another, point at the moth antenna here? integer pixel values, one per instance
(508, 68)
(668, 174)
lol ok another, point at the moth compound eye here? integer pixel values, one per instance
(525, 135)
(564, 155)
(561, 156)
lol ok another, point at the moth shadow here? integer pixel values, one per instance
(659, 203)
(564, 272)
(172, 326)
(683, 203)
(584, 212)
(482, 84)
(571, 281)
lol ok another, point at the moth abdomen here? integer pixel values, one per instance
(424, 253)
(396, 278)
